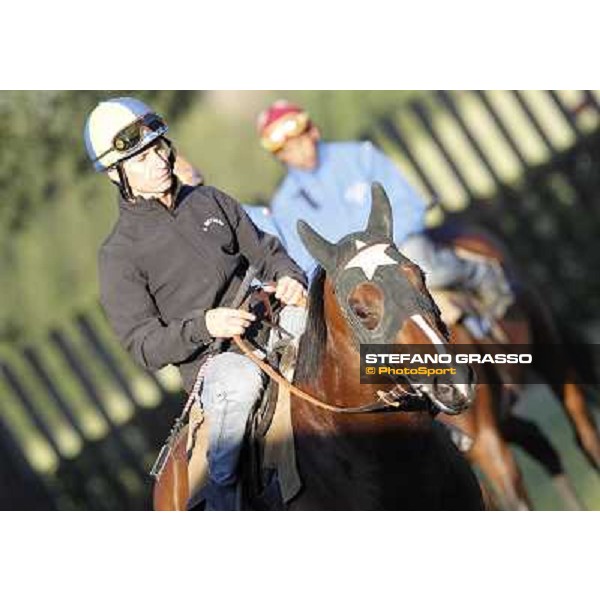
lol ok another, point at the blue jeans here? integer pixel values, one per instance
(441, 265)
(232, 385)
(444, 269)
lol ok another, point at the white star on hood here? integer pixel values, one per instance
(370, 259)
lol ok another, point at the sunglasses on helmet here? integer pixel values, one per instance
(133, 135)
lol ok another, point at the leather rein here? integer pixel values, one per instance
(395, 399)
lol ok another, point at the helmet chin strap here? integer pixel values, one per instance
(172, 153)
(123, 184)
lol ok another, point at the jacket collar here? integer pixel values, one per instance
(153, 207)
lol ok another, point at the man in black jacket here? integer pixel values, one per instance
(170, 268)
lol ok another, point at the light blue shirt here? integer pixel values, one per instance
(335, 198)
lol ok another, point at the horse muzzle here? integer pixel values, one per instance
(452, 396)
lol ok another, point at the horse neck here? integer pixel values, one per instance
(370, 443)
(354, 461)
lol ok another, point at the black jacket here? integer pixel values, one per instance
(161, 270)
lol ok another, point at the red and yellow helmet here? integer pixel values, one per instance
(280, 122)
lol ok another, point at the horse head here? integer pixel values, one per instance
(373, 294)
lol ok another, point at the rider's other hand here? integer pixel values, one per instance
(290, 291)
(227, 322)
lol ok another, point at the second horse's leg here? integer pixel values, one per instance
(528, 436)
(493, 455)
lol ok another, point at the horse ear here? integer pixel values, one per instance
(318, 247)
(381, 222)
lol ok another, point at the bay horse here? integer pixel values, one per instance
(367, 292)
(491, 422)
(355, 450)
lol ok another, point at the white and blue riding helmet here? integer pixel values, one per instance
(119, 128)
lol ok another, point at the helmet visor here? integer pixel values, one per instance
(134, 135)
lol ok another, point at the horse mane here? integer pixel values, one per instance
(314, 338)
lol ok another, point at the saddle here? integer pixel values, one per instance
(268, 473)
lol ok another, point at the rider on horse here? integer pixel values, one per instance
(328, 185)
(170, 269)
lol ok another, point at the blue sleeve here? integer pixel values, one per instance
(285, 214)
(408, 207)
(261, 216)
(293, 244)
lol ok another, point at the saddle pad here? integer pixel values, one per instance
(279, 450)
(197, 446)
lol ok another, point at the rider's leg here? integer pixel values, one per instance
(444, 269)
(232, 384)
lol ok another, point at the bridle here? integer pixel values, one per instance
(398, 399)
(395, 400)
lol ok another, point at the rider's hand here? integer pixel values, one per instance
(227, 322)
(289, 291)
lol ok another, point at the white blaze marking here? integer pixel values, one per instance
(359, 244)
(370, 259)
(440, 345)
(434, 338)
